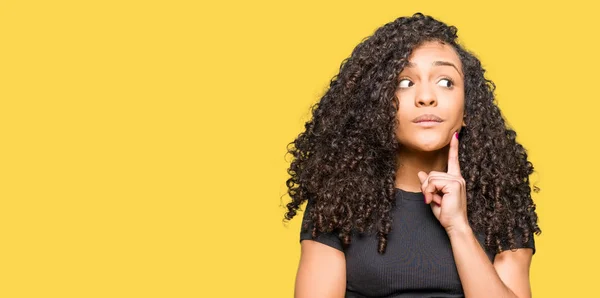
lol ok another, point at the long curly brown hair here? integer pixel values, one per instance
(345, 160)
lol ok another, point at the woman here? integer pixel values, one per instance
(415, 185)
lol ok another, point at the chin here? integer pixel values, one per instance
(429, 147)
(427, 144)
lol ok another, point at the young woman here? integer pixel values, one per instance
(415, 186)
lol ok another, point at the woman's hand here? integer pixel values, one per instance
(446, 192)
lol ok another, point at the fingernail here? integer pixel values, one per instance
(456, 134)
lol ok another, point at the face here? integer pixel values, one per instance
(431, 86)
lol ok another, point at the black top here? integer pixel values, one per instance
(418, 261)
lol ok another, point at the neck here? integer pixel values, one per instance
(410, 162)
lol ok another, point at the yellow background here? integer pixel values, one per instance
(143, 142)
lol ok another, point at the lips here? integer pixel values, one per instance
(427, 118)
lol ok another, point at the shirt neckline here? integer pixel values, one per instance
(409, 195)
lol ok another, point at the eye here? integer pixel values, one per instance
(446, 83)
(405, 83)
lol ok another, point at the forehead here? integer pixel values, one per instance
(431, 51)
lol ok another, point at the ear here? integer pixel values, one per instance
(463, 126)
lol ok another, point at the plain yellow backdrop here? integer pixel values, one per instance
(143, 142)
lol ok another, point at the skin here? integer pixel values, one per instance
(425, 87)
(432, 83)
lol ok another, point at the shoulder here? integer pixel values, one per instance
(327, 238)
(519, 243)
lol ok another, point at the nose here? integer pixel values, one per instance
(425, 97)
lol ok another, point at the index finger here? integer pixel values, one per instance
(453, 165)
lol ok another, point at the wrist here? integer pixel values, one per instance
(459, 230)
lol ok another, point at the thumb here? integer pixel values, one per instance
(422, 176)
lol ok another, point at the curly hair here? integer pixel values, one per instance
(345, 160)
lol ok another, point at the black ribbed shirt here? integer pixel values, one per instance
(418, 261)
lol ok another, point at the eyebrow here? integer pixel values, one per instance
(437, 63)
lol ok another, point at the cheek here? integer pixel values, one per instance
(454, 104)
(459, 108)
(402, 121)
